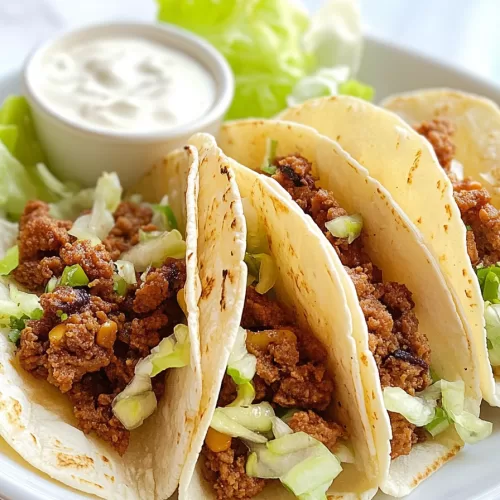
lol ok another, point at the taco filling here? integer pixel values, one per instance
(99, 308)
(482, 221)
(273, 419)
(402, 352)
(418, 409)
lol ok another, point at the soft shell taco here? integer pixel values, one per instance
(91, 322)
(397, 296)
(282, 402)
(463, 133)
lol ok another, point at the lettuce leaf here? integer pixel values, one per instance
(261, 40)
(23, 172)
(275, 49)
(15, 114)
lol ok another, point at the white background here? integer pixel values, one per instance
(461, 32)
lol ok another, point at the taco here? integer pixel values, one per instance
(408, 166)
(93, 312)
(463, 130)
(282, 403)
(398, 299)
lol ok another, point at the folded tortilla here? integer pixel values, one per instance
(37, 421)
(397, 249)
(303, 264)
(405, 163)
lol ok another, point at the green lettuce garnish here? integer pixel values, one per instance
(10, 261)
(271, 45)
(16, 124)
(23, 174)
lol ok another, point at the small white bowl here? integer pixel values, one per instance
(80, 152)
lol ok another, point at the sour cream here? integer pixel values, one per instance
(126, 84)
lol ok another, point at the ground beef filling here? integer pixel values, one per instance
(89, 339)
(291, 373)
(478, 214)
(401, 352)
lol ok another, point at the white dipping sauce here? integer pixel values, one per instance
(127, 84)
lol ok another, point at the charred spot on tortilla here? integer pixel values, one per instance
(223, 290)
(226, 171)
(414, 166)
(207, 286)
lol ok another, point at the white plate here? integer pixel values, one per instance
(474, 473)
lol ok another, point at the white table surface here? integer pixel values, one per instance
(462, 32)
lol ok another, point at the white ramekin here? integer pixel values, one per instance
(79, 152)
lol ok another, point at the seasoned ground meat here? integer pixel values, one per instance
(438, 132)
(403, 435)
(89, 339)
(35, 274)
(92, 409)
(261, 313)
(291, 373)
(401, 352)
(311, 423)
(226, 471)
(161, 283)
(94, 259)
(478, 214)
(129, 218)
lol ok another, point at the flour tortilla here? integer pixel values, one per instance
(396, 248)
(320, 303)
(405, 163)
(36, 420)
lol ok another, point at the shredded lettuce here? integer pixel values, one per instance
(255, 417)
(492, 319)
(280, 428)
(123, 277)
(262, 266)
(156, 250)
(163, 216)
(303, 466)
(133, 410)
(242, 365)
(346, 226)
(71, 207)
(126, 270)
(422, 410)
(439, 423)
(137, 401)
(271, 45)
(23, 174)
(489, 281)
(17, 185)
(271, 147)
(15, 113)
(416, 410)
(17, 306)
(97, 225)
(226, 425)
(245, 395)
(256, 236)
(10, 261)
(171, 352)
